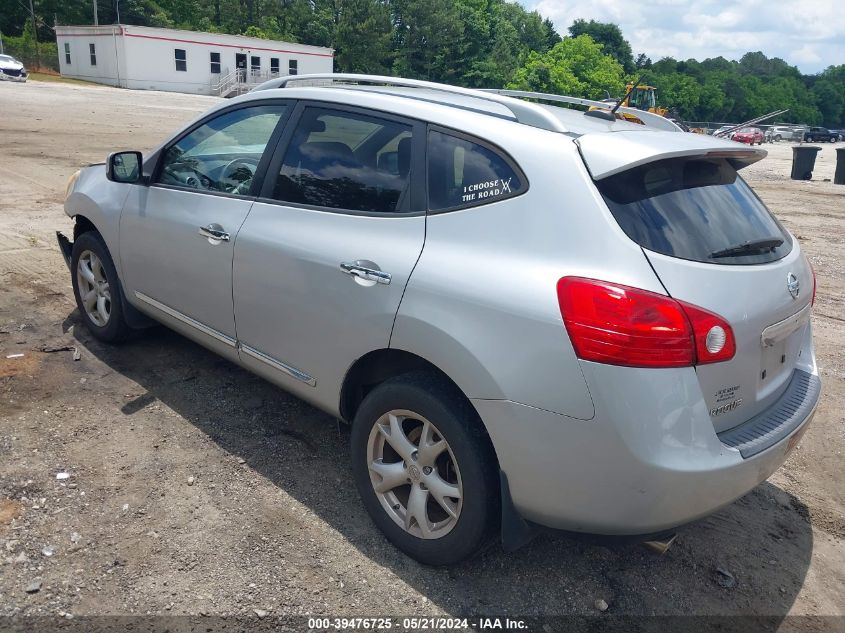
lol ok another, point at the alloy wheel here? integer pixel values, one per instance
(93, 286)
(414, 474)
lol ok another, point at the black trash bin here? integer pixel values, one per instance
(803, 161)
(839, 176)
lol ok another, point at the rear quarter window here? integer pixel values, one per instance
(465, 173)
(695, 209)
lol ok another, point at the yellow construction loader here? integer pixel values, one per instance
(642, 98)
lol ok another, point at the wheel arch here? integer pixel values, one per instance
(83, 225)
(376, 366)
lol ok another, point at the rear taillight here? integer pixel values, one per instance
(619, 325)
(714, 338)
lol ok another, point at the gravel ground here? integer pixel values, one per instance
(194, 487)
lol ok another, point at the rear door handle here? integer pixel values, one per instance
(368, 274)
(214, 232)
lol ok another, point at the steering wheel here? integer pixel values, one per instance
(235, 166)
(194, 179)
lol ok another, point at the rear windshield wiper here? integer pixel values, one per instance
(749, 248)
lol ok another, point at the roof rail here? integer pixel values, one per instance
(648, 118)
(523, 112)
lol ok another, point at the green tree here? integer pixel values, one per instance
(363, 38)
(427, 39)
(680, 93)
(829, 96)
(611, 39)
(552, 36)
(576, 66)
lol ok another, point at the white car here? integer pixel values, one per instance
(11, 69)
(722, 131)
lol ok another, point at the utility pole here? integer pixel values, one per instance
(1, 42)
(35, 35)
(96, 21)
(117, 5)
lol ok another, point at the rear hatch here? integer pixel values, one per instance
(713, 243)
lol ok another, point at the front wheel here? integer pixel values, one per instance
(97, 289)
(425, 469)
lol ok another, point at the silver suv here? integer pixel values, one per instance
(531, 315)
(780, 133)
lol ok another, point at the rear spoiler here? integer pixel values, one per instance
(606, 154)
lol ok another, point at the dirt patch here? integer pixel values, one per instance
(9, 511)
(25, 365)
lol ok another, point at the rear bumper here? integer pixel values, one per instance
(623, 473)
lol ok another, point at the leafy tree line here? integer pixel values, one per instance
(478, 43)
(715, 89)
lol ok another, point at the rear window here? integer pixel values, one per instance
(695, 209)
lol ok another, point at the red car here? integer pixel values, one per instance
(750, 135)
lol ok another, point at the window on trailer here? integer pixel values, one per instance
(255, 63)
(293, 67)
(181, 59)
(93, 51)
(215, 63)
(274, 65)
(67, 52)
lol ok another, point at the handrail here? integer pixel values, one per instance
(523, 112)
(648, 118)
(241, 80)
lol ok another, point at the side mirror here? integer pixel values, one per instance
(124, 167)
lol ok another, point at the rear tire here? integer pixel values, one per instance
(97, 289)
(438, 510)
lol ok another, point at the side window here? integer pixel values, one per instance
(347, 161)
(181, 59)
(67, 53)
(215, 63)
(463, 174)
(255, 63)
(92, 50)
(293, 67)
(221, 155)
(274, 65)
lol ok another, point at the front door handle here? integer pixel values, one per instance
(368, 274)
(214, 232)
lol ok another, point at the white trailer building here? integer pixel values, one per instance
(147, 58)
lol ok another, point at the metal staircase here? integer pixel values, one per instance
(240, 81)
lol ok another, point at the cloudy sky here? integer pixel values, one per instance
(809, 34)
